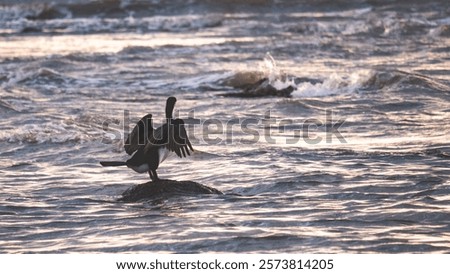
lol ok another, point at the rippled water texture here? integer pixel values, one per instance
(356, 160)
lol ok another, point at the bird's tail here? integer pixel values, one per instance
(113, 163)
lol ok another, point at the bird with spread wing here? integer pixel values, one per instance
(149, 147)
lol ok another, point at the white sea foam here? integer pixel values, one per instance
(333, 84)
(277, 77)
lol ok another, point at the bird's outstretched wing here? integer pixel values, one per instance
(178, 139)
(172, 136)
(139, 135)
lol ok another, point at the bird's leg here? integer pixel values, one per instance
(153, 175)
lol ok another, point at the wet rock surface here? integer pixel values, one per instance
(261, 88)
(164, 189)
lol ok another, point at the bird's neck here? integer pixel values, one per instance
(169, 110)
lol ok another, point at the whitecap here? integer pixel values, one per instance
(334, 84)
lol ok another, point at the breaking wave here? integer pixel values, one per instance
(334, 83)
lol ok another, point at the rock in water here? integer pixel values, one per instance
(261, 88)
(164, 189)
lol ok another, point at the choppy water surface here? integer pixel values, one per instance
(372, 82)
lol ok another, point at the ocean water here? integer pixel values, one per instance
(355, 161)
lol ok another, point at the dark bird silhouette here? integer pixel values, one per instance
(152, 146)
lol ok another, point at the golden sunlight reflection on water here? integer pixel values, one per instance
(37, 46)
(383, 187)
